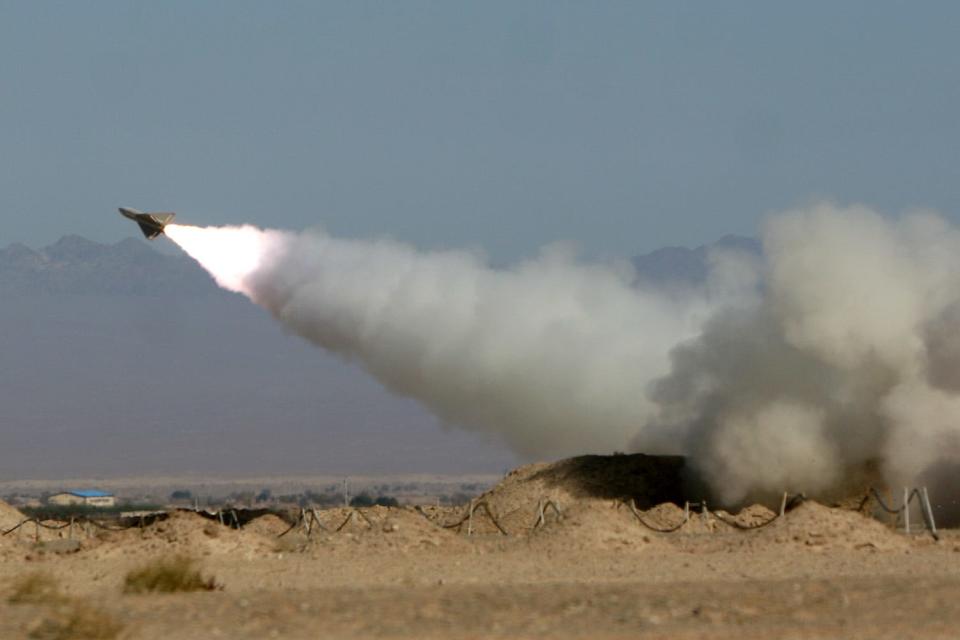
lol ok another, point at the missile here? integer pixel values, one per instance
(151, 224)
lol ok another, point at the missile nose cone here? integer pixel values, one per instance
(151, 224)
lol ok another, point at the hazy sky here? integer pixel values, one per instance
(501, 125)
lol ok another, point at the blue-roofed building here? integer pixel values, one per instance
(87, 497)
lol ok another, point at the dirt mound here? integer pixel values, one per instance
(814, 525)
(485, 520)
(374, 528)
(811, 525)
(184, 532)
(593, 484)
(753, 516)
(269, 526)
(441, 514)
(596, 526)
(657, 486)
(9, 517)
(648, 480)
(668, 517)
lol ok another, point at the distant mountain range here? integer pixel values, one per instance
(78, 266)
(689, 266)
(75, 265)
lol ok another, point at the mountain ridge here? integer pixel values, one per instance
(76, 265)
(79, 266)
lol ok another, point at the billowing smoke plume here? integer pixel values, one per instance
(552, 355)
(850, 356)
(840, 348)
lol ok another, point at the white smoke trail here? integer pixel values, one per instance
(846, 353)
(552, 355)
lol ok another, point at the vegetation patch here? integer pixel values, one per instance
(366, 500)
(67, 618)
(169, 575)
(36, 588)
(77, 621)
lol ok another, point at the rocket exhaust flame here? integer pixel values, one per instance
(230, 254)
(839, 348)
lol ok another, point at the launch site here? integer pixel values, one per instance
(484, 320)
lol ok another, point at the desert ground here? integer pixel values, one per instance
(592, 568)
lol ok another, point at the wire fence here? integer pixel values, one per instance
(82, 523)
(480, 509)
(788, 503)
(921, 495)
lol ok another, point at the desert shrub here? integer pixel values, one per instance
(35, 588)
(77, 621)
(168, 575)
(362, 500)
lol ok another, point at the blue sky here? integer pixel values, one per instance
(495, 125)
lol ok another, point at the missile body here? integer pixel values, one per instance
(151, 224)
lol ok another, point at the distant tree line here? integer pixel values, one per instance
(366, 500)
(457, 499)
(330, 496)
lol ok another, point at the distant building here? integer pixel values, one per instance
(86, 497)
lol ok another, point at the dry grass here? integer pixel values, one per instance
(68, 619)
(36, 588)
(168, 575)
(77, 621)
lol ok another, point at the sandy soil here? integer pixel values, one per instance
(595, 572)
